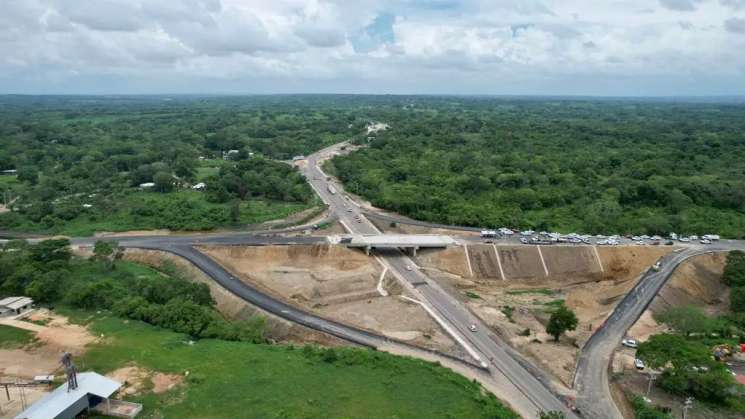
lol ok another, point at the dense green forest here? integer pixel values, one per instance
(569, 165)
(74, 165)
(595, 166)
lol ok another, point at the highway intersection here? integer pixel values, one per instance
(519, 383)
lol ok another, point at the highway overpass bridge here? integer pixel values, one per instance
(412, 242)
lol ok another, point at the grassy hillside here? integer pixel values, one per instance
(238, 379)
(11, 337)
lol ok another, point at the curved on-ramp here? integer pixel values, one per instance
(591, 375)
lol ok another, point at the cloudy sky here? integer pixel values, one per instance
(576, 47)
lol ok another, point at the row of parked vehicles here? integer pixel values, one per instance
(544, 237)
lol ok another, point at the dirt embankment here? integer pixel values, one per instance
(515, 288)
(231, 306)
(337, 283)
(698, 282)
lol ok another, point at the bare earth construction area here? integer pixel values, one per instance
(514, 288)
(338, 283)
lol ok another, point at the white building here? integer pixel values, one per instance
(13, 306)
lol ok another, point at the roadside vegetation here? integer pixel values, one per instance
(627, 167)
(52, 276)
(691, 359)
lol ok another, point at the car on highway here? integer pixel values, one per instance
(408, 267)
(630, 343)
(472, 327)
(639, 364)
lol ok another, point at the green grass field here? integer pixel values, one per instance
(12, 338)
(242, 380)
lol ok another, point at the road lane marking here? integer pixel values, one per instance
(382, 291)
(543, 262)
(468, 260)
(499, 262)
(597, 256)
(455, 335)
(346, 227)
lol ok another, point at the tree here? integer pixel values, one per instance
(668, 349)
(734, 270)
(163, 181)
(104, 251)
(235, 210)
(561, 321)
(686, 319)
(737, 299)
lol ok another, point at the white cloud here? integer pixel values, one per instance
(469, 46)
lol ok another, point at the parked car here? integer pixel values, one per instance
(630, 343)
(472, 327)
(705, 241)
(639, 364)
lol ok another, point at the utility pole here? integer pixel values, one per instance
(652, 377)
(687, 405)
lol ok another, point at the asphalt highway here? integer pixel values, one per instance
(529, 395)
(521, 389)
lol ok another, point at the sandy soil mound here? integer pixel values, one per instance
(335, 282)
(697, 281)
(451, 260)
(521, 262)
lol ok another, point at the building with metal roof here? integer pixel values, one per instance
(10, 306)
(92, 393)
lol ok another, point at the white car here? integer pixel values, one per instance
(630, 343)
(684, 239)
(705, 241)
(408, 267)
(472, 327)
(639, 364)
(693, 237)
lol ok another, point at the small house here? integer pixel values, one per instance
(13, 306)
